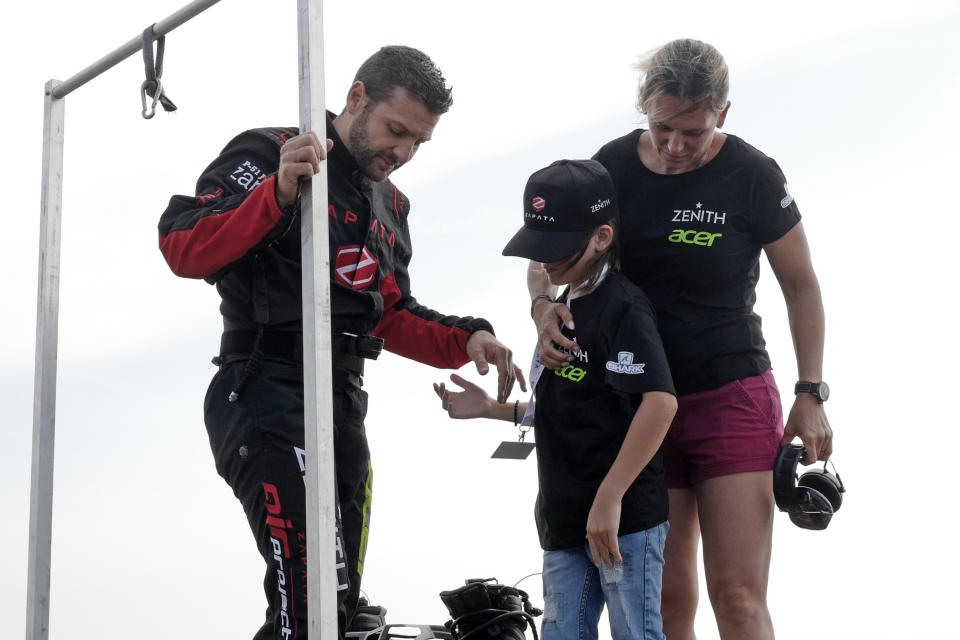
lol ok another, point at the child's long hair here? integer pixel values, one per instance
(608, 259)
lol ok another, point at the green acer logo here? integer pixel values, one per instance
(571, 373)
(692, 236)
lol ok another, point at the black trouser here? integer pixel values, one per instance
(258, 446)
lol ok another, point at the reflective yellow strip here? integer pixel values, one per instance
(365, 527)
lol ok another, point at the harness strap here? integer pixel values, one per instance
(152, 86)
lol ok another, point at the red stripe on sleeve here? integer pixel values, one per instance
(218, 240)
(411, 336)
(396, 211)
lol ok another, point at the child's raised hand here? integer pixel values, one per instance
(603, 523)
(472, 402)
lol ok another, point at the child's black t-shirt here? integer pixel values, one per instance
(584, 410)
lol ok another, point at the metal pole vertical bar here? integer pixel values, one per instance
(317, 396)
(45, 370)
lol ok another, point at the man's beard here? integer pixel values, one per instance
(361, 151)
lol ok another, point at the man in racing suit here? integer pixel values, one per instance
(242, 232)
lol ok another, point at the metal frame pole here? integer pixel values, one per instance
(317, 394)
(48, 309)
(45, 370)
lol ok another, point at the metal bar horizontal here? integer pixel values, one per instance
(163, 27)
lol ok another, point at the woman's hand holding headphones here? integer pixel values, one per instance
(808, 421)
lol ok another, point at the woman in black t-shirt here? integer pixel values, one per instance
(697, 207)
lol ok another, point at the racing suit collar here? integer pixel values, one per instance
(340, 158)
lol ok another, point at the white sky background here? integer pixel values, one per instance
(856, 101)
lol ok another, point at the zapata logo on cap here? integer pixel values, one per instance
(538, 203)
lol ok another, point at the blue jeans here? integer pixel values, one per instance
(574, 590)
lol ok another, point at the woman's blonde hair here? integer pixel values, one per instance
(688, 70)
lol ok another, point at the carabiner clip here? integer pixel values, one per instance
(523, 431)
(156, 98)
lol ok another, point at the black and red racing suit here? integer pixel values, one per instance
(234, 235)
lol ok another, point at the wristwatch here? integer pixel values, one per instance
(820, 390)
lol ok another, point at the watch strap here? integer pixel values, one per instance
(820, 390)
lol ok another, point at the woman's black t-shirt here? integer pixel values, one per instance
(692, 242)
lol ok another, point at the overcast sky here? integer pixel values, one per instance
(856, 101)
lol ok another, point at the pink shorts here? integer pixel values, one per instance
(731, 429)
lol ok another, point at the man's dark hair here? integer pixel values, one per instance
(410, 69)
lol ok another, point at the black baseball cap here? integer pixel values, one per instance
(562, 204)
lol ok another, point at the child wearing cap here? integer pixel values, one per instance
(601, 510)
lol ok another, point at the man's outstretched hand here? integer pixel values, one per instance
(484, 348)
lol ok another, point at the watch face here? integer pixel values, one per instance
(823, 392)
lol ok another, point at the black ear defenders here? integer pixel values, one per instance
(812, 500)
